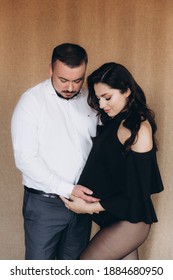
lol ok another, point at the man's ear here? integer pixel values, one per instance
(50, 70)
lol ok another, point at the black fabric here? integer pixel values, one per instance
(124, 183)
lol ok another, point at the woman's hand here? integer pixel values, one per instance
(81, 206)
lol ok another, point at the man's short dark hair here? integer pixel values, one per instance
(72, 55)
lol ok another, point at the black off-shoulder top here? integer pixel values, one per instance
(124, 183)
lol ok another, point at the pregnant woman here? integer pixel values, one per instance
(122, 168)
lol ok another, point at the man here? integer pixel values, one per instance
(52, 127)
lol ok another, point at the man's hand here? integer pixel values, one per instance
(84, 193)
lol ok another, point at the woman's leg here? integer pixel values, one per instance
(132, 256)
(116, 242)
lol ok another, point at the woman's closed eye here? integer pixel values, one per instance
(106, 98)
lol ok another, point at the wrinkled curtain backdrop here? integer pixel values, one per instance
(136, 33)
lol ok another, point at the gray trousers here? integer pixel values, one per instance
(51, 230)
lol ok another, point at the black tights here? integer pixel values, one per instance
(117, 242)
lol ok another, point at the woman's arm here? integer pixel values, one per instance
(80, 206)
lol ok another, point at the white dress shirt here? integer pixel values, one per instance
(52, 138)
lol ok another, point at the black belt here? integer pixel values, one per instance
(49, 195)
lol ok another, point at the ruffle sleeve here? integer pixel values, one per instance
(141, 179)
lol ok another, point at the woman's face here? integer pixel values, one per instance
(112, 101)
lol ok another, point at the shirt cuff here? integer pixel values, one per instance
(65, 189)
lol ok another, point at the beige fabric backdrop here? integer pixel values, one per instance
(136, 33)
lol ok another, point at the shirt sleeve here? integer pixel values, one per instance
(141, 179)
(25, 140)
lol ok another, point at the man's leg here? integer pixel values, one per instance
(75, 237)
(45, 220)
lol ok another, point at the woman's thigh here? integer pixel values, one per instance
(116, 241)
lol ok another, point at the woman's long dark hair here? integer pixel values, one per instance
(116, 76)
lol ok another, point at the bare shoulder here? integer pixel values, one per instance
(144, 140)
